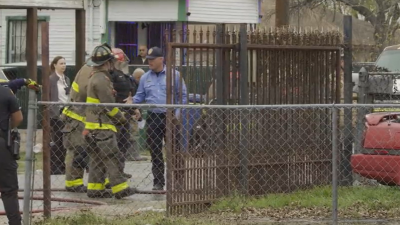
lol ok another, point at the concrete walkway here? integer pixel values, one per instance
(142, 179)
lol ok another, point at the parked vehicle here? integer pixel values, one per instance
(3, 77)
(387, 61)
(380, 157)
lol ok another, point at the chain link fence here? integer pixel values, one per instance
(197, 155)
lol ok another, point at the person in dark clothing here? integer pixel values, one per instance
(9, 109)
(124, 88)
(141, 59)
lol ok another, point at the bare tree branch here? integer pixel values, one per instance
(362, 10)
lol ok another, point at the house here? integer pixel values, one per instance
(122, 23)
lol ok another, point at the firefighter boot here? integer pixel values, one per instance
(77, 189)
(127, 175)
(125, 193)
(99, 194)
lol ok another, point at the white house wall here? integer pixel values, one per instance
(62, 32)
(71, 4)
(146, 11)
(224, 11)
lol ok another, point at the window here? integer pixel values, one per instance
(16, 38)
(126, 38)
(389, 59)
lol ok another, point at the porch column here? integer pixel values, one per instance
(31, 43)
(80, 38)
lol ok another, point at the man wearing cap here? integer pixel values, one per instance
(153, 90)
(100, 130)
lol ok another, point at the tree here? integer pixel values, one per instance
(383, 15)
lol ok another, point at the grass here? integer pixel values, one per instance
(371, 197)
(354, 203)
(147, 218)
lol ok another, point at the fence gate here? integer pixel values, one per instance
(217, 152)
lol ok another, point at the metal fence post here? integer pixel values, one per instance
(361, 112)
(335, 154)
(46, 121)
(345, 172)
(244, 100)
(32, 108)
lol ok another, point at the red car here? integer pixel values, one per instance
(380, 159)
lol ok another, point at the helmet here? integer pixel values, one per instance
(100, 55)
(120, 55)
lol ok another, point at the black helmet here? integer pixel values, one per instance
(100, 55)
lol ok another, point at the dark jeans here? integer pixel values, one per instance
(124, 142)
(58, 152)
(9, 184)
(156, 128)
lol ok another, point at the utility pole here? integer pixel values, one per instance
(281, 13)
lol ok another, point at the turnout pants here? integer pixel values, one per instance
(104, 160)
(124, 143)
(77, 157)
(58, 152)
(9, 184)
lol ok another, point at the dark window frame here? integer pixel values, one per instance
(11, 19)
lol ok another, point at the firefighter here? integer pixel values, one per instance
(17, 84)
(124, 87)
(100, 131)
(74, 119)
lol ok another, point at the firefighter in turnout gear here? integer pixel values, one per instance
(74, 119)
(100, 130)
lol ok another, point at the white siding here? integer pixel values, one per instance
(223, 11)
(62, 32)
(71, 4)
(146, 11)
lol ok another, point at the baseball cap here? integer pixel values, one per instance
(154, 52)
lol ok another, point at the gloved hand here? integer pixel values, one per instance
(124, 118)
(31, 84)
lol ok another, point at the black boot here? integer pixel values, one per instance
(127, 175)
(77, 189)
(158, 187)
(125, 193)
(99, 194)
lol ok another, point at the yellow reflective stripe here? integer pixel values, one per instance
(113, 112)
(75, 86)
(96, 126)
(73, 115)
(74, 183)
(92, 100)
(119, 187)
(96, 186)
(107, 181)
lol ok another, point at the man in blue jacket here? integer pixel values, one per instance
(153, 90)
